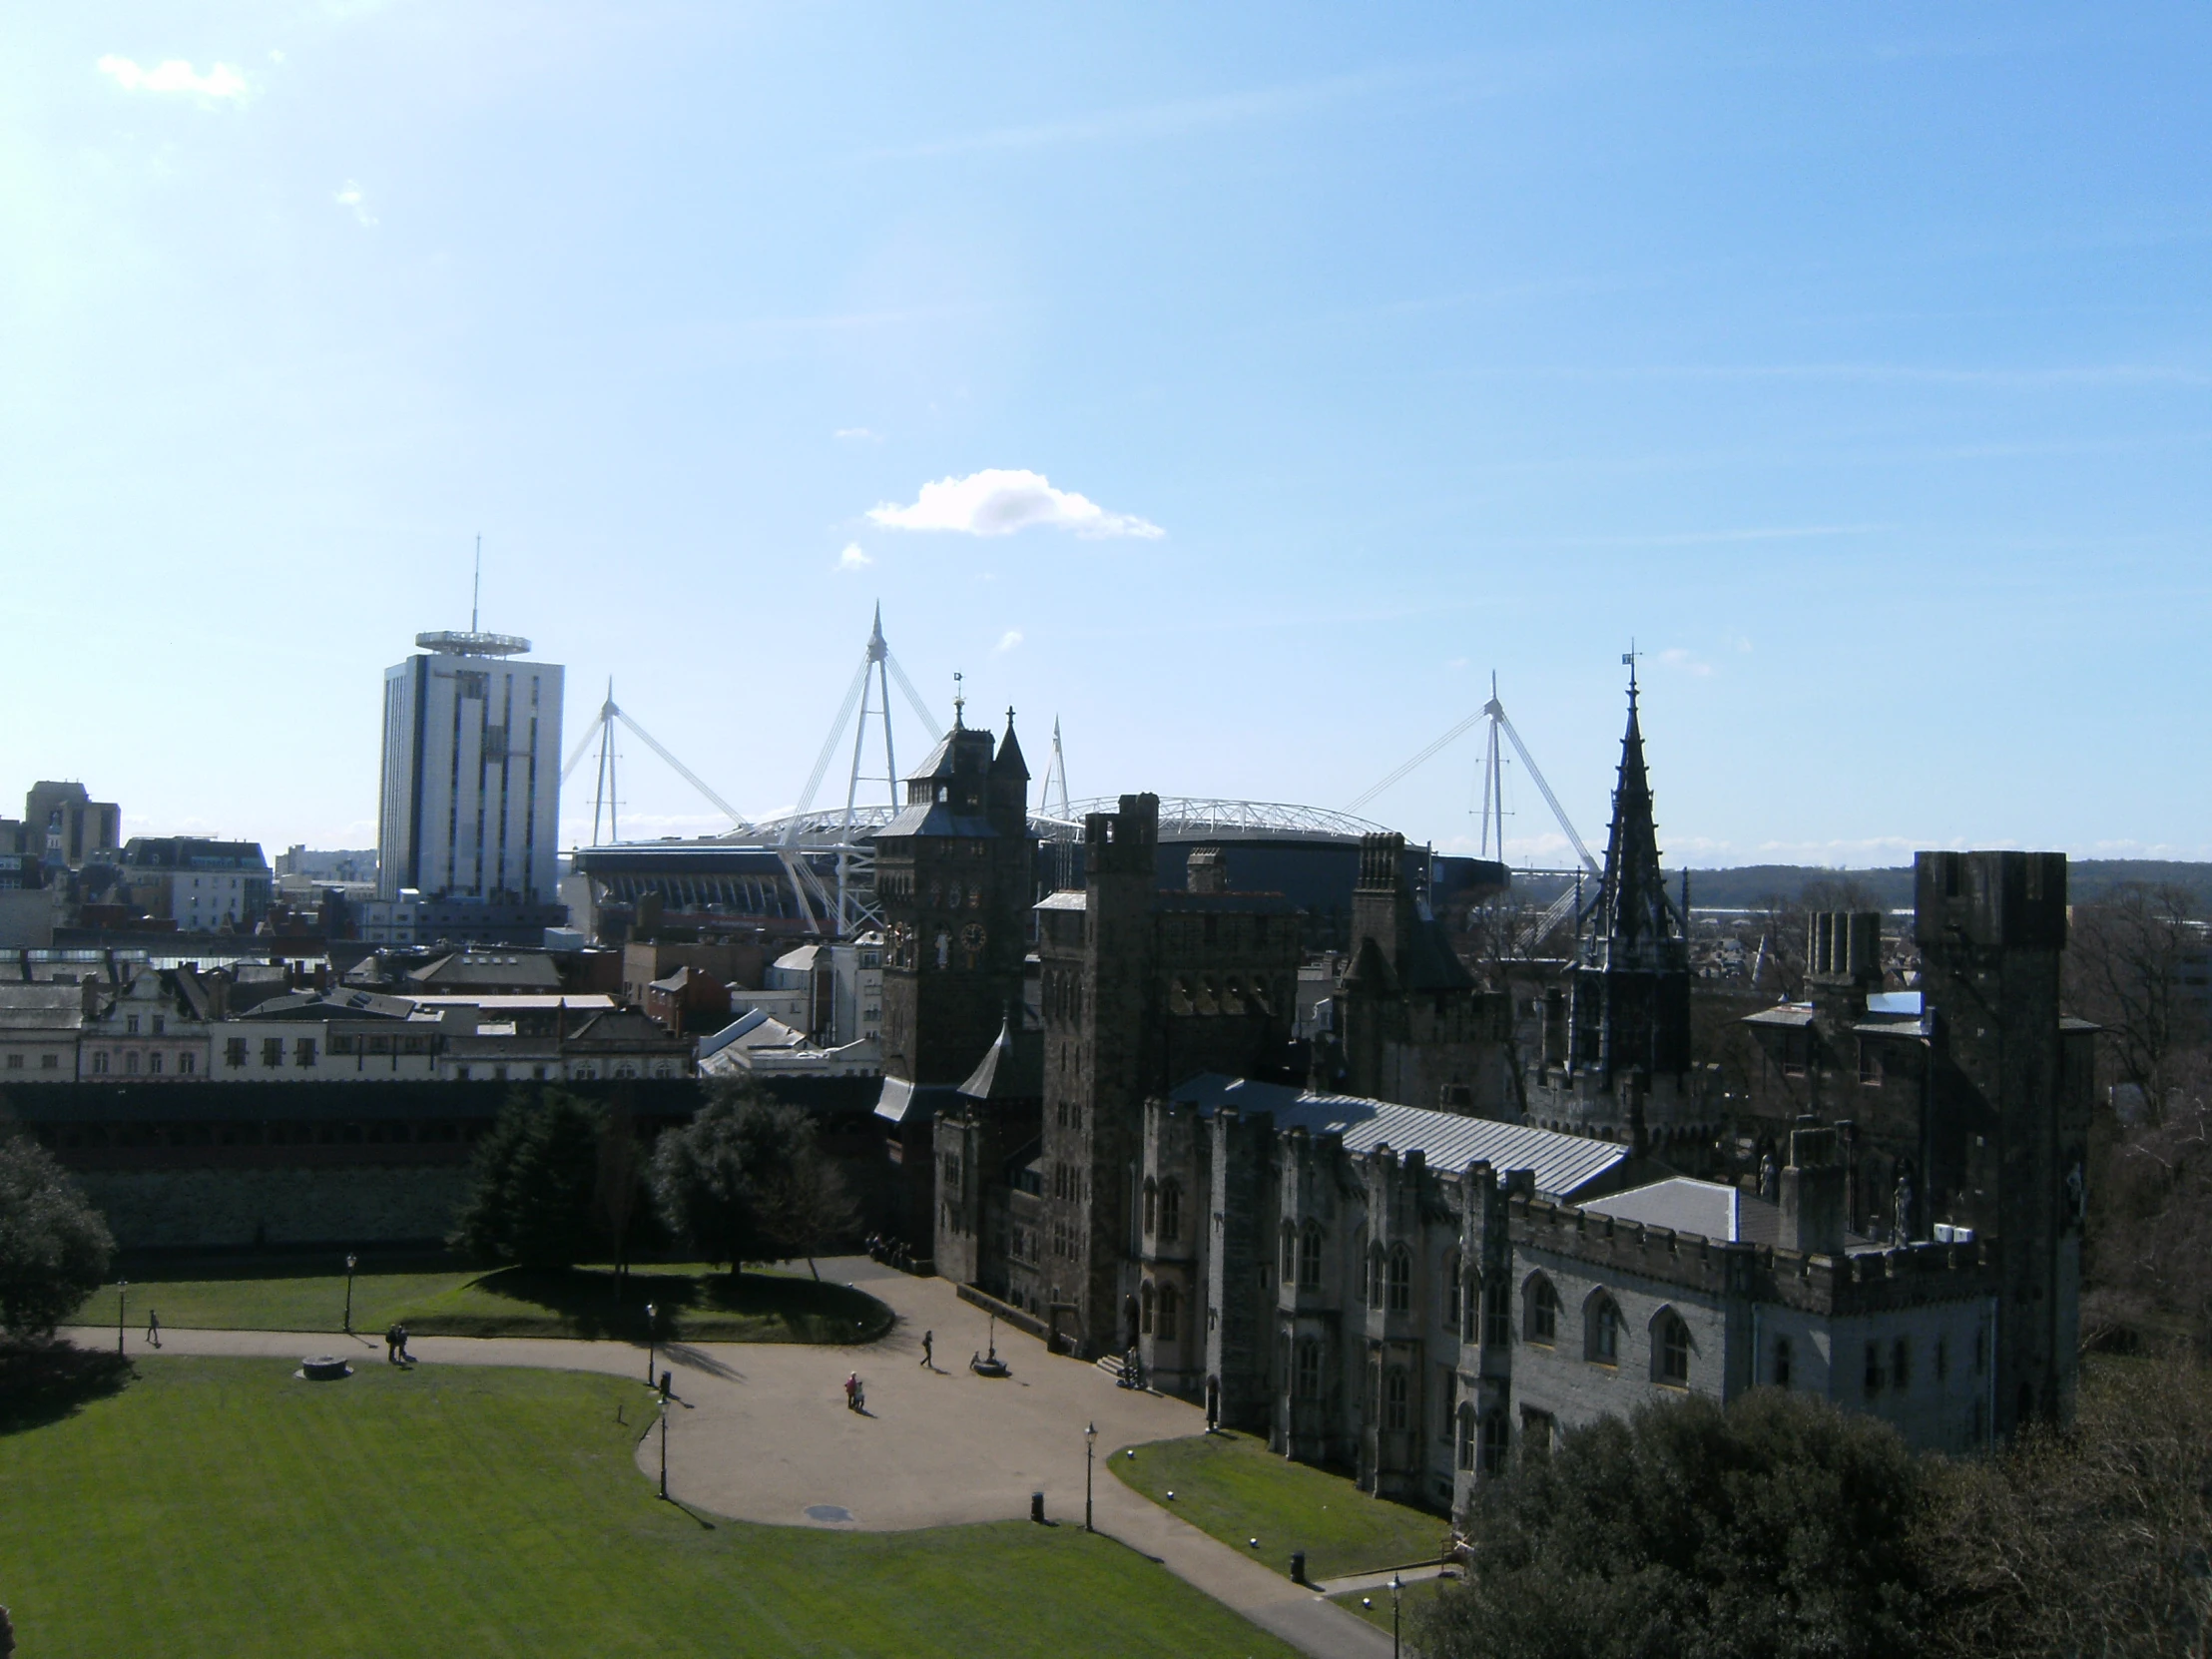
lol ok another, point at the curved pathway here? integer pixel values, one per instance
(760, 1433)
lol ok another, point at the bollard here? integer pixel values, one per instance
(1297, 1566)
(1037, 1508)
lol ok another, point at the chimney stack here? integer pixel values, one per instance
(1812, 1193)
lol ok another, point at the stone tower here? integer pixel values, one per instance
(1618, 1065)
(2007, 1144)
(954, 873)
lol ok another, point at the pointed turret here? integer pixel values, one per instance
(1009, 785)
(1633, 905)
(1008, 763)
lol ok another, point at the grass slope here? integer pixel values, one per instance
(221, 1508)
(1233, 1487)
(443, 1300)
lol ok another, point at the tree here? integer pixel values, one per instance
(1777, 1525)
(2088, 1541)
(536, 1175)
(53, 1246)
(2149, 1233)
(2123, 963)
(617, 1177)
(746, 1179)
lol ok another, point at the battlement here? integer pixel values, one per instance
(1835, 1285)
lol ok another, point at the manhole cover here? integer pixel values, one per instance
(827, 1512)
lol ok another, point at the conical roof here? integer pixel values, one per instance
(1633, 901)
(1009, 761)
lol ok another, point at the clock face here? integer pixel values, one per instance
(971, 936)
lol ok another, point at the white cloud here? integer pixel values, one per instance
(852, 558)
(998, 501)
(220, 80)
(352, 197)
(857, 435)
(1008, 640)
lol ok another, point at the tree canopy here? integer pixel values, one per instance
(1774, 1526)
(53, 1246)
(746, 1180)
(535, 1202)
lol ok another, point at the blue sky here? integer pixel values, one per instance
(1852, 362)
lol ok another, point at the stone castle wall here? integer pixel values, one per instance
(222, 1208)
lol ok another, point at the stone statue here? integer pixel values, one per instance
(1903, 1232)
(1769, 1179)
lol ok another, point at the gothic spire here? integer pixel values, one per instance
(1634, 901)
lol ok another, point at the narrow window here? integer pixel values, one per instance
(1873, 1369)
(1171, 1313)
(1289, 1254)
(1605, 1332)
(1496, 1438)
(1466, 1437)
(1781, 1362)
(1395, 1390)
(1151, 1206)
(1401, 1281)
(1308, 1370)
(1542, 1303)
(1308, 1256)
(1901, 1364)
(1171, 1212)
(1674, 1349)
(1942, 1359)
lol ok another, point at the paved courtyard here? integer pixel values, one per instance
(761, 1432)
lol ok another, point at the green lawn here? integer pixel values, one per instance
(435, 1297)
(1231, 1486)
(1378, 1610)
(221, 1508)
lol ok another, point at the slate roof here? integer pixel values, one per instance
(1564, 1165)
(937, 817)
(47, 1007)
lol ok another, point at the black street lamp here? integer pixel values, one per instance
(663, 1446)
(1397, 1589)
(652, 1313)
(1091, 1443)
(350, 1261)
(122, 1291)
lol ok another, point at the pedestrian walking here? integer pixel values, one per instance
(405, 1359)
(152, 1327)
(929, 1353)
(391, 1345)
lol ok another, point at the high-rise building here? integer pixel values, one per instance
(472, 778)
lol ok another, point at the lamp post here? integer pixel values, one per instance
(652, 1313)
(1090, 1445)
(1397, 1589)
(121, 1292)
(663, 1446)
(351, 1262)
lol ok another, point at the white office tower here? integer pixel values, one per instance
(467, 834)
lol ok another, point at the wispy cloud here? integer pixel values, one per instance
(854, 557)
(352, 197)
(1008, 640)
(1686, 662)
(999, 501)
(220, 80)
(857, 435)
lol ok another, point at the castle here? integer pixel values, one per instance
(1407, 1276)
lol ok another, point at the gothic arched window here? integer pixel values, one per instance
(1308, 1370)
(1402, 1280)
(1601, 1329)
(1308, 1256)
(1670, 1349)
(1170, 1325)
(1171, 1211)
(1540, 1311)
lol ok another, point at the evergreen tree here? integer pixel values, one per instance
(746, 1180)
(537, 1174)
(53, 1246)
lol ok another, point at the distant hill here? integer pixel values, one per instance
(1751, 887)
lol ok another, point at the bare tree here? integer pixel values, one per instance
(2150, 1229)
(2124, 962)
